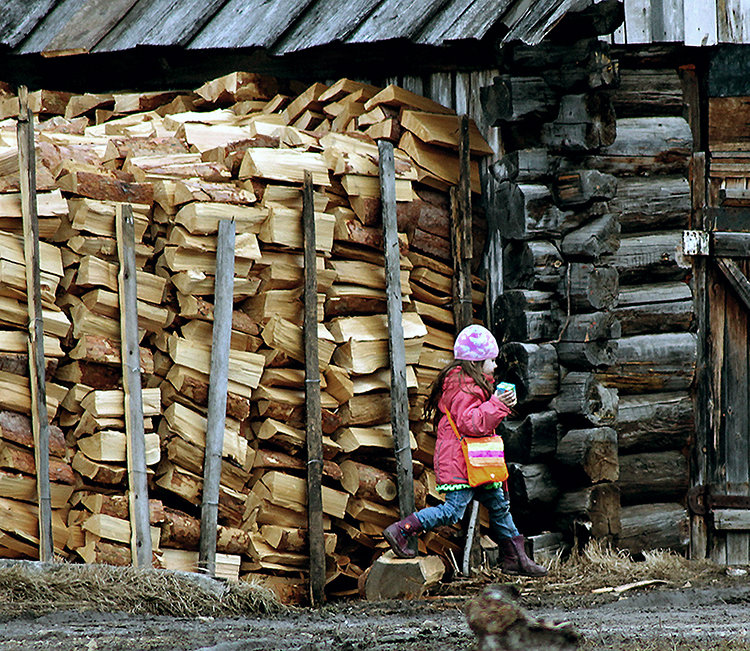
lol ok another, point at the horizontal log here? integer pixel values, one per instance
(533, 368)
(588, 456)
(653, 477)
(588, 355)
(645, 258)
(593, 240)
(678, 316)
(524, 166)
(643, 92)
(652, 203)
(584, 122)
(595, 326)
(583, 399)
(532, 265)
(533, 438)
(647, 146)
(654, 526)
(512, 99)
(580, 187)
(526, 211)
(655, 422)
(659, 362)
(589, 287)
(526, 315)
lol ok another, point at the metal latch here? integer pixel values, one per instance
(701, 501)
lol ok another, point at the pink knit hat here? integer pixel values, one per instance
(475, 344)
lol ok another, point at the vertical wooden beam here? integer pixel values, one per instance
(461, 234)
(399, 395)
(700, 452)
(217, 394)
(140, 533)
(313, 414)
(39, 417)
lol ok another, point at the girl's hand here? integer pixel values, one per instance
(508, 398)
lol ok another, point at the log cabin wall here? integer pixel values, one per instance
(596, 320)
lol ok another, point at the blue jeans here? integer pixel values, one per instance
(452, 510)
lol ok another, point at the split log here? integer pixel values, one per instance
(402, 578)
(526, 315)
(645, 258)
(655, 422)
(527, 211)
(532, 265)
(583, 399)
(584, 122)
(659, 362)
(589, 287)
(647, 146)
(646, 203)
(589, 455)
(597, 238)
(653, 477)
(533, 438)
(594, 509)
(533, 368)
(654, 526)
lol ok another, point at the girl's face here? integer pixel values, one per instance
(489, 366)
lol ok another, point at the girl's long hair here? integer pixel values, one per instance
(471, 369)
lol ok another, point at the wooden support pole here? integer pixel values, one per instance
(463, 308)
(39, 418)
(217, 394)
(313, 413)
(140, 533)
(396, 347)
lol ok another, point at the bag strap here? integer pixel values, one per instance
(453, 425)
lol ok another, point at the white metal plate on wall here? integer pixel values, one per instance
(695, 242)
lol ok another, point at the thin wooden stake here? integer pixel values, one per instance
(140, 531)
(39, 417)
(313, 414)
(217, 394)
(399, 395)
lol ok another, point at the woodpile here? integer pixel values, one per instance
(596, 318)
(236, 148)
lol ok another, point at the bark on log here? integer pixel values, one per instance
(589, 455)
(584, 122)
(361, 480)
(655, 422)
(589, 287)
(659, 362)
(653, 477)
(531, 439)
(583, 399)
(652, 203)
(654, 526)
(526, 315)
(532, 265)
(595, 509)
(532, 368)
(593, 240)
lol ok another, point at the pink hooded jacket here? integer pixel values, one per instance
(473, 415)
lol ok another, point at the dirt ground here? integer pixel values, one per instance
(700, 607)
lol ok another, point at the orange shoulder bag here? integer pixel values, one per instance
(485, 457)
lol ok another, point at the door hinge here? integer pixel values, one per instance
(701, 501)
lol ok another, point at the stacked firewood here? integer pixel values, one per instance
(236, 148)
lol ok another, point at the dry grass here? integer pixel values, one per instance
(600, 566)
(34, 588)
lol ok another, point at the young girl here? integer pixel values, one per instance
(464, 389)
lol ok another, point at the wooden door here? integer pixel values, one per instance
(722, 497)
